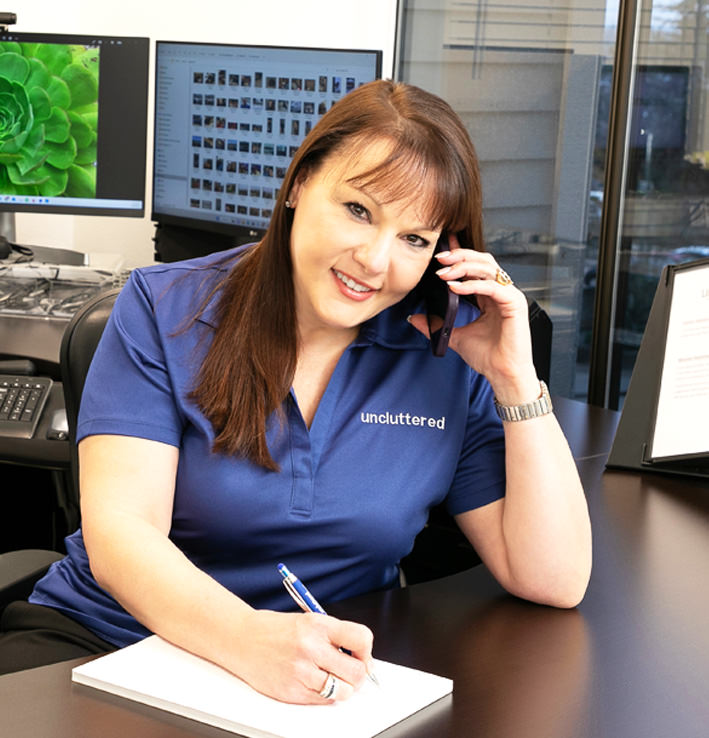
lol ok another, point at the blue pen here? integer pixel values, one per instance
(301, 594)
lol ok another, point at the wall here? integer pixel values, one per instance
(360, 24)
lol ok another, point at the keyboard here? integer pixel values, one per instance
(22, 400)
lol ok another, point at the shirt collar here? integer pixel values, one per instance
(210, 314)
(391, 329)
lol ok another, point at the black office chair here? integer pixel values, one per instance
(79, 343)
(19, 570)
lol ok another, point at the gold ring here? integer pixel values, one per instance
(328, 689)
(502, 277)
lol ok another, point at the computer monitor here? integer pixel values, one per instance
(661, 109)
(73, 124)
(228, 119)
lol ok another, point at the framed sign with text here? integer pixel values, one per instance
(664, 425)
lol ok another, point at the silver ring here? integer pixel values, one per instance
(329, 687)
(502, 277)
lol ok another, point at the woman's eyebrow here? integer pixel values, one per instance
(367, 193)
(363, 189)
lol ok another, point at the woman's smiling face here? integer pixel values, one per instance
(354, 254)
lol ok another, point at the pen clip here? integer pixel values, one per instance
(293, 592)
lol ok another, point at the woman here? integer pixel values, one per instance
(281, 403)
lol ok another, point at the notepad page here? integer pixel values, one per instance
(160, 674)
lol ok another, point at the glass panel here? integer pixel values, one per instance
(666, 204)
(526, 79)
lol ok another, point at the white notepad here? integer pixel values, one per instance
(157, 673)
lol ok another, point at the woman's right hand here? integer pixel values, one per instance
(127, 494)
(288, 656)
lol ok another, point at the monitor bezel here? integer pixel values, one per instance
(239, 233)
(138, 92)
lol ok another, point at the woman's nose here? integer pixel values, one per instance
(374, 254)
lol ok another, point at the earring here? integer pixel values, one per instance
(289, 204)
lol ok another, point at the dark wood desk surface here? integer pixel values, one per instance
(631, 661)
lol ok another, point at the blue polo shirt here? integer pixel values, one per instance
(396, 432)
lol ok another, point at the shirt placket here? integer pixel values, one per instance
(301, 501)
(307, 445)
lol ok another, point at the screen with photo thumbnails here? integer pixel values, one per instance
(228, 120)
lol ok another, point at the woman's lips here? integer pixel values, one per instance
(351, 287)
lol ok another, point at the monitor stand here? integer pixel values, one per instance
(7, 226)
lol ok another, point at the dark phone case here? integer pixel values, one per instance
(441, 307)
(441, 303)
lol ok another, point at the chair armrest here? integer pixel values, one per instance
(19, 570)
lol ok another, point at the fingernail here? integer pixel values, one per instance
(442, 253)
(408, 318)
(443, 270)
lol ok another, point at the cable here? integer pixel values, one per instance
(7, 247)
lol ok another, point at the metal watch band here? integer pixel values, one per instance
(536, 409)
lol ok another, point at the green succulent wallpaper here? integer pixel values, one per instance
(48, 119)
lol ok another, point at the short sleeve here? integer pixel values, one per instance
(480, 474)
(128, 389)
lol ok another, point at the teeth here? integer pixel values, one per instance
(351, 283)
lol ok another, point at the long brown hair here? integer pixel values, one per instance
(249, 368)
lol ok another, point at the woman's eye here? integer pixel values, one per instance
(359, 211)
(413, 240)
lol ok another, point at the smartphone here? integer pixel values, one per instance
(441, 302)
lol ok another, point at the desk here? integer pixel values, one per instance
(39, 451)
(631, 662)
(42, 297)
(36, 477)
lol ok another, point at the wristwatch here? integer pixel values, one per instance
(541, 406)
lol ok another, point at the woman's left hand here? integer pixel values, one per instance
(498, 344)
(536, 540)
